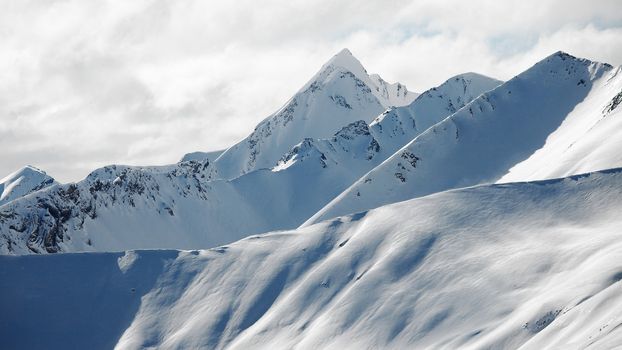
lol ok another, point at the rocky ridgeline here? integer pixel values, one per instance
(45, 218)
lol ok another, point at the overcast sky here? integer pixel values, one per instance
(89, 83)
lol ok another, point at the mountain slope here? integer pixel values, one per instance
(590, 137)
(22, 182)
(482, 141)
(340, 93)
(521, 265)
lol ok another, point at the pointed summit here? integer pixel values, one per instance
(342, 62)
(389, 94)
(345, 59)
(344, 52)
(22, 182)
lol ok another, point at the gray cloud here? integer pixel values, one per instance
(83, 84)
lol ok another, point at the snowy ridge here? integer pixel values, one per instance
(358, 147)
(494, 266)
(398, 126)
(184, 206)
(22, 182)
(201, 156)
(181, 206)
(340, 93)
(483, 140)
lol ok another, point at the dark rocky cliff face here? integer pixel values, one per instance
(44, 220)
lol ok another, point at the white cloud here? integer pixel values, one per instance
(83, 84)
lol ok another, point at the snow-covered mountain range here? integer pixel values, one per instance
(190, 205)
(478, 214)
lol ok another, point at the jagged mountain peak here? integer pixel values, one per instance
(340, 93)
(342, 62)
(345, 65)
(344, 52)
(346, 59)
(389, 94)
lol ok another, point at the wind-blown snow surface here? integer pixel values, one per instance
(520, 265)
(485, 139)
(22, 182)
(340, 93)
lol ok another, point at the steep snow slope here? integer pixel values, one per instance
(181, 206)
(590, 138)
(22, 182)
(398, 126)
(482, 141)
(340, 93)
(521, 265)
